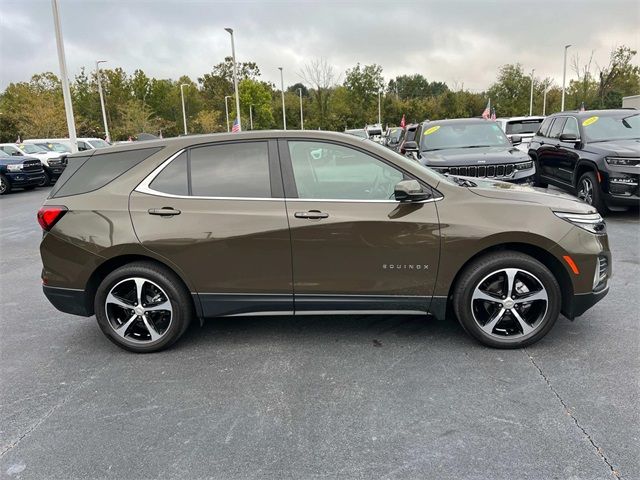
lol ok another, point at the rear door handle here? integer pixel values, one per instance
(311, 214)
(164, 211)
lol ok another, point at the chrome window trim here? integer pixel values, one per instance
(144, 187)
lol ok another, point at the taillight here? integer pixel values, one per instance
(49, 215)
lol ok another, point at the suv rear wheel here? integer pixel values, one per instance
(507, 300)
(143, 307)
(589, 191)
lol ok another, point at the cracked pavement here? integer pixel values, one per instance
(314, 397)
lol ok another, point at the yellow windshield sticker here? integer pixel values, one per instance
(589, 121)
(431, 130)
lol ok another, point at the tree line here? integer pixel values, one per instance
(331, 100)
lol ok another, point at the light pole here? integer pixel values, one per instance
(531, 96)
(66, 92)
(235, 78)
(284, 113)
(564, 75)
(251, 116)
(544, 100)
(379, 111)
(301, 114)
(184, 114)
(226, 109)
(104, 111)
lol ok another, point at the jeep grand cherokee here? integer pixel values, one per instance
(149, 237)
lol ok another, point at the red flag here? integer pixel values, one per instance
(403, 122)
(487, 111)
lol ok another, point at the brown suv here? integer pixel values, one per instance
(151, 236)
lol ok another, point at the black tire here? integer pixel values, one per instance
(536, 176)
(46, 180)
(477, 271)
(178, 296)
(5, 185)
(596, 198)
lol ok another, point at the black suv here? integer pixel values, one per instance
(25, 172)
(470, 147)
(594, 154)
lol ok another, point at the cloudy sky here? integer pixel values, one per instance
(461, 42)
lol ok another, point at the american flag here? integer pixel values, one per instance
(493, 113)
(236, 126)
(487, 111)
(403, 122)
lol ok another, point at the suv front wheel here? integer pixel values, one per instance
(507, 300)
(589, 191)
(143, 307)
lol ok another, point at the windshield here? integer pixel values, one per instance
(518, 127)
(463, 135)
(98, 143)
(622, 126)
(357, 133)
(55, 147)
(31, 148)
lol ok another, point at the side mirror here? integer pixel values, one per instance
(516, 139)
(569, 137)
(16, 154)
(409, 147)
(409, 191)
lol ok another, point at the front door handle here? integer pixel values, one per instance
(164, 211)
(311, 214)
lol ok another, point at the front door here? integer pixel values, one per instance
(354, 247)
(217, 213)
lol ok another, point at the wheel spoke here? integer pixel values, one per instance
(139, 284)
(511, 277)
(111, 298)
(122, 329)
(491, 324)
(152, 331)
(539, 295)
(480, 295)
(163, 306)
(526, 328)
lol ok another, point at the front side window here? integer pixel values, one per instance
(328, 171)
(571, 127)
(557, 127)
(231, 170)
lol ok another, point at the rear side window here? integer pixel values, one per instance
(100, 169)
(231, 170)
(173, 178)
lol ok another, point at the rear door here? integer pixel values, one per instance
(218, 214)
(353, 246)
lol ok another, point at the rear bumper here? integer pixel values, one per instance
(67, 300)
(582, 302)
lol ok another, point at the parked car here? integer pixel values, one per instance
(594, 154)
(84, 143)
(357, 132)
(52, 163)
(523, 127)
(470, 147)
(374, 132)
(19, 172)
(151, 236)
(408, 135)
(392, 137)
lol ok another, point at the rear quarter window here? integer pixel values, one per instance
(85, 174)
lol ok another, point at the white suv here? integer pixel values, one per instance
(523, 127)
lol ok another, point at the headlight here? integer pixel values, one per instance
(623, 162)
(14, 168)
(523, 166)
(591, 222)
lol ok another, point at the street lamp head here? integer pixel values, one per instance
(184, 85)
(230, 30)
(567, 46)
(101, 61)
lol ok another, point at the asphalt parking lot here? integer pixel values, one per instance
(314, 397)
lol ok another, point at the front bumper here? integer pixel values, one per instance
(25, 179)
(54, 171)
(582, 302)
(68, 300)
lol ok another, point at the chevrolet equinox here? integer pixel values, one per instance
(150, 236)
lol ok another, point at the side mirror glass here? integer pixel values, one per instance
(569, 137)
(409, 191)
(516, 139)
(410, 147)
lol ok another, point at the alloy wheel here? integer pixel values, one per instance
(138, 310)
(509, 302)
(585, 191)
(3, 185)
